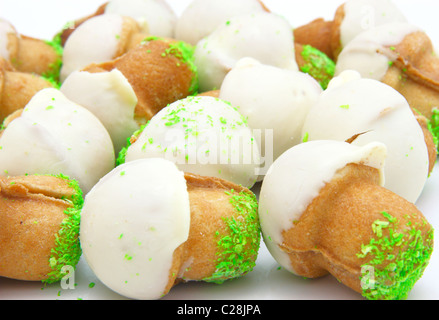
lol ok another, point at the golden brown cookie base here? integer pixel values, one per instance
(32, 210)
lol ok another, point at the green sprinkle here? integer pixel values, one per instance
(318, 65)
(305, 137)
(91, 285)
(397, 259)
(238, 248)
(53, 73)
(67, 250)
(433, 126)
(345, 106)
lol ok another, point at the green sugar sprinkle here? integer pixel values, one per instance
(238, 248)
(52, 75)
(433, 126)
(67, 250)
(305, 137)
(318, 65)
(397, 259)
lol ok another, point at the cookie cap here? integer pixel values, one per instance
(132, 222)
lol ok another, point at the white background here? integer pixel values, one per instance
(44, 18)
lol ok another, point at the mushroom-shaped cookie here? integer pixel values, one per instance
(157, 15)
(17, 88)
(53, 135)
(274, 100)
(400, 55)
(147, 226)
(201, 17)
(28, 54)
(323, 209)
(160, 71)
(110, 97)
(100, 39)
(365, 111)
(256, 35)
(39, 227)
(351, 18)
(202, 135)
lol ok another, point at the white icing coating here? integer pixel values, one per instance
(362, 15)
(110, 97)
(201, 17)
(357, 105)
(94, 41)
(131, 223)
(365, 52)
(202, 135)
(156, 15)
(297, 177)
(262, 93)
(266, 37)
(5, 30)
(56, 136)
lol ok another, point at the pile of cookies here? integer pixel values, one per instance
(163, 149)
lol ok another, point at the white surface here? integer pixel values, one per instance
(43, 18)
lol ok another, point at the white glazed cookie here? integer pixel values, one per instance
(271, 98)
(297, 177)
(201, 17)
(324, 210)
(376, 112)
(110, 97)
(202, 135)
(142, 231)
(255, 35)
(157, 15)
(56, 136)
